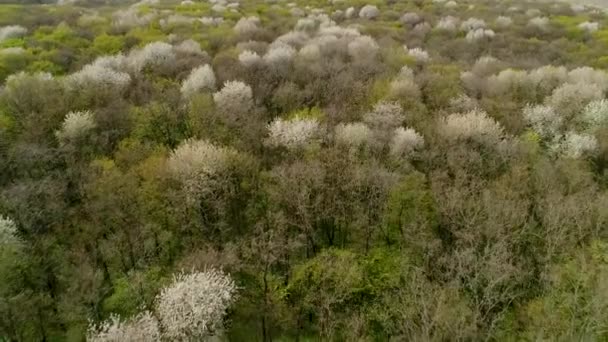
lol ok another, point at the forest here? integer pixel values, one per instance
(303, 170)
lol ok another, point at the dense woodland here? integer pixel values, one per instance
(314, 170)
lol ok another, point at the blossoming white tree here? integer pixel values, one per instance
(75, 125)
(235, 98)
(200, 79)
(352, 134)
(474, 125)
(544, 120)
(197, 163)
(404, 142)
(194, 305)
(141, 328)
(8, 232)
(292, 134)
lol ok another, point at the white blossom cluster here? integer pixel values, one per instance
(16, 83)
(189, 47)
(479, 34)
(194, 305)
(8, 232)
(595, 113)
(410, 19)
(385, 116)
(200, 79)
(75, 125)
(191, 308)
(448, 23)
(475, 125)
(156, 54)
(369, 12)
(196, 164)
(589, 26)
(363, 48)
(352, 134)
(12, 31)
(503, 22)
(404, 142)
(99, 77)
(544, 120)
(250, 59)
(451, 4)
(279, 56)
(556, 81)
(576, 145)
(404, 85)
(17, 50)
(211, 21)
(472, 24)
(418, 54)
(570, 98)
(141, 328)
(247, 26)
(234, 98)
(130, 18)
(541, 23)
(292, 134)
(463, 104)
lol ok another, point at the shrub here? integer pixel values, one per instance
(201, 78)
(194, 305)
(247, 26)
(249, 59)
(75, 125)
(141, 328)
(126, 19)
(448, 23)
(369, 12)
(486, 65)
(363, 48)
(294, 39)
(279, 57)
(503, 22)
(479, 34)
(410, 19)
(234, 98)
(189, 47)
(419, 55)
(292, 134)
(589, 26)
(472, 24)
(541, 23)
